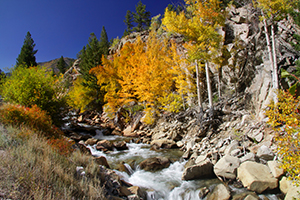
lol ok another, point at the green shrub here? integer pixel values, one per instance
(35, 86)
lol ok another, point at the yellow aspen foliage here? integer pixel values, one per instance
(273, 8)
(199, 23)
(285, 120)
(79, 96)
(141, 72)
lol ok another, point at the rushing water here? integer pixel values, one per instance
(161, 185)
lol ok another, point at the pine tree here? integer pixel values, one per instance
(141, 17)
(128, 21)
(61, 65)
(26, 56)
(104, 43)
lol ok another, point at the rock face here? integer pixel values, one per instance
(202, 170)
(256, 177)
(227, 166)
(154, 164)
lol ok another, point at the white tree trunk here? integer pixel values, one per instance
(198, 88)
(209, 87)
(275, 71)
(271, 57)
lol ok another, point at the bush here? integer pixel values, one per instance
(285, 120)
(35, 86)
(34, 118)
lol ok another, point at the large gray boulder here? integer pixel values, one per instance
(256, 177)
(265, 153)
(226, 167)
(202, 170)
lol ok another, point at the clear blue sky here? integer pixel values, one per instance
(62, 27)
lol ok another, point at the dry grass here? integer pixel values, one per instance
(31, 169)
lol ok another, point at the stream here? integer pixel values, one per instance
(165, 184)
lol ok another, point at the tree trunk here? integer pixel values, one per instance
(209, 88)
(275, 71)
(271, 57)
(219, 82)
(199, 88)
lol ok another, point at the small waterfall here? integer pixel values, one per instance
(130, 170)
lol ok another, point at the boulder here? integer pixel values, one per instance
(226, 167)
(154, 164)
(83, 149)
(102, 161)
(248, 157)
(256, 177)
(232, 146)
(274, 167)
(265, 153)
(293, 193)
(135, 190)
(91, 141)
(104, 145)
(128, 133)
(120, 145)
(220, 192)
(202, 170)
(285, 184)
(164, 143)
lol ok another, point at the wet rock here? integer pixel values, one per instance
(91, 141)
(220, 192)
(226, 167)
(256, 177)
(274, 167)
(199, 171)
(102, 161)
(203, 192)
(154, 164)
(135, 190)
(124, 191)
(83, 149)
(265, 153)
(120, 145)
(251, 197)
(104, 145)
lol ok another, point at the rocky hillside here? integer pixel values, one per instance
(53, 63)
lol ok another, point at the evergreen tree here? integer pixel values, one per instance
(61, 65)
(128, 21)
(26, 56)
(104, 43)
(141, 17)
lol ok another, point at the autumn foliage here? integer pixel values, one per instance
(36, 120)
(285, 119)
(143, 72)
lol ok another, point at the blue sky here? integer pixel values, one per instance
(62, 27)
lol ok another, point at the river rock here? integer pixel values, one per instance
(202, 170)
(226, 167)
(124, 191)
(91, 141)
(164, 143)
(128, 133)
(102, 161)
(274, 167)
(265, 153)
(203, 192)
(83, 149)
(220, 192)
(135, 190)
(251, 197)
(256, 177)
(104, 145)
(154, 164)
(120, 145)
